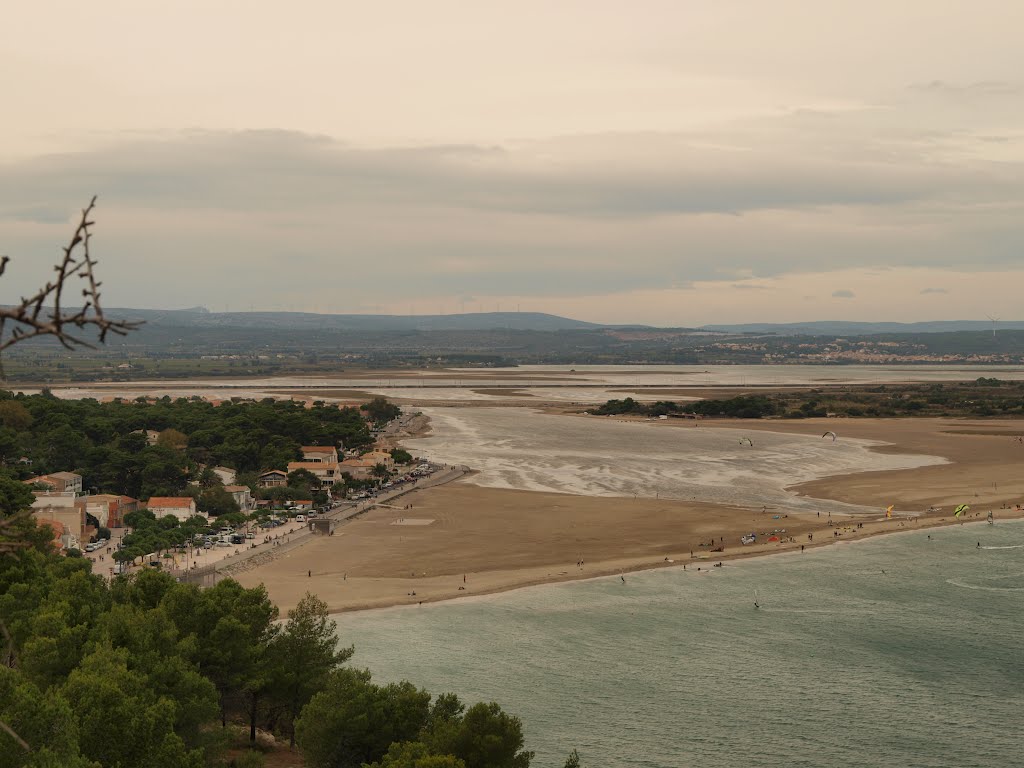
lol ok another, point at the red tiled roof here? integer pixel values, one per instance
(170, 501)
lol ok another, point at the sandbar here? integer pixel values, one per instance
(486, 540)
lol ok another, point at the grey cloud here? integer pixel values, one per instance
(280, 171)
(844, 293)
(575, 215)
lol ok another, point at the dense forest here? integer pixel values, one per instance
(984, 397)
(143, 671)
(107, 444)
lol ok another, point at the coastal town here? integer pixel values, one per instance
(215, 516)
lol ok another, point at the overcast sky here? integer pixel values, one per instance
(673, 163)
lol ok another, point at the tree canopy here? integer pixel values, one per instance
(106, 443)
(142, 670)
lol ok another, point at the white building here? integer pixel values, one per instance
(182, 507)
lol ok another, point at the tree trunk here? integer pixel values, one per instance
(253, 709)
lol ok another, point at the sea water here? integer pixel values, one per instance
(897, 651)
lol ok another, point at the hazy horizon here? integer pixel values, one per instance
(200, 309)
(683, 164)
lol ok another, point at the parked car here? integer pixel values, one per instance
(300, 518)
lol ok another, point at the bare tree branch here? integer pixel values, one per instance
(44, 313)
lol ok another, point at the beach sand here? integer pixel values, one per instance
(499, 539)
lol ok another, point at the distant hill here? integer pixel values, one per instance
(847, 328)
(478, 321)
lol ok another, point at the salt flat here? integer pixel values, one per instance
(598, 456)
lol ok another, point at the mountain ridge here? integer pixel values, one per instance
(482, 321)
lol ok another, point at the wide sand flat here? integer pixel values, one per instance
(500, 539)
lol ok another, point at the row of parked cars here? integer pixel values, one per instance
(422, 469)
(226, 538)
(98, 544)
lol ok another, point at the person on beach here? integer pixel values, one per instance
(309, 574)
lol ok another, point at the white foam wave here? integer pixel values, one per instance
(957, 583)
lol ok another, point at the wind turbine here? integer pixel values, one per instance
(994, 321)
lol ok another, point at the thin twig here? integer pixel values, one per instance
(43, 313)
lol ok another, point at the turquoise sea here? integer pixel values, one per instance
(898, 651)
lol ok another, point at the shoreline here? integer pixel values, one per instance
(701, 564)
(736, 558)
(499, 539)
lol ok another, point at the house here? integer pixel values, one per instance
(326, 473)
(362, 467)
(359, 469)
(272, 478)
(182, 507)
(242, 496)
(61, 482)
(380, 457)
(320, 453)
(109, 509)
(225, 474)
(59, 506)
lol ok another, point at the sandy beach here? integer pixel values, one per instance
(461, 539)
